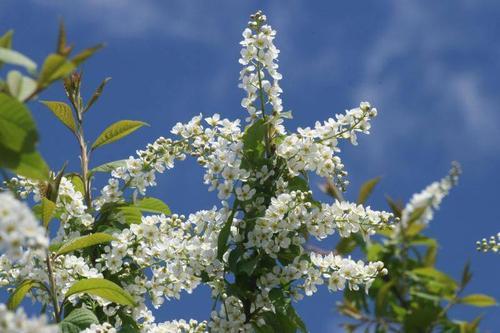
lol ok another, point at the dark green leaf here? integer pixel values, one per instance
(78, 320)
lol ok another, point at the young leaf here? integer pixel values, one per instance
(21, 87)
(96, 94)
(54, 68)
(84, 242)
(78, 320)
(62, 47)
(478, 300)
(48, 208)
(15, 58)
(117, 131)
(435, 275)
(63, 112)
(224, 233)
(152, 205)
(6, 39)
(85, 54)
(18, 294)
(131, 215)
(366, 190)
(102, 288)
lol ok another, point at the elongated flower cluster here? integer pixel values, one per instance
(18, 322)
(19, 230)
(492, 244)
(178, 326)
(259, 76)
(430, 198)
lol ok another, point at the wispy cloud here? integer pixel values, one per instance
(408, 72)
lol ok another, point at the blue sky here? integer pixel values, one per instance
(430, 67)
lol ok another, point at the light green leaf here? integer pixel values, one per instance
(108, 167)
(78, 320)
(478, 300)
(435, 275)
(117, 131)
(6, 39)
(48, 208)
(77, 182)
(85, 54)
(15, 58)
(131, 215)
(84, 242)
(20, 86)
(63, 112)
(152, 205)
(54, 68)
(366, 190)
(18, 294)
(30, 165)
(102, 288)
(17, 127)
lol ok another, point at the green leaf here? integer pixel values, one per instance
(416, 214)
(19, 293)
(63, 112)
(479, 300)
(253, 143)
(298, 184)
(48, 208)
(152, 205)
(17, 127)
(84, 242)
(30, 165)
(77, 182)
(117, 131)
(396, 206)
(6, 39)
(435, 275)
(55, 67)
(381, 300)
(131, 215)
(110, 166)
(85, 54)
(96, 94)
(102, 288)
(15, 58)
(21, 87)
(225, 232)
(346, 245)
(366, 190)
(78, 320)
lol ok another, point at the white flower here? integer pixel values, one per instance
(19, 229)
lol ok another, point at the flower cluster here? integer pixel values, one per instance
(19, 229)
(178, 326)
(492, 244)
(429, 199)
(315, 149)
(18, 322)
(259, 57)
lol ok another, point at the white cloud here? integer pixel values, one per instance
(454, 112)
